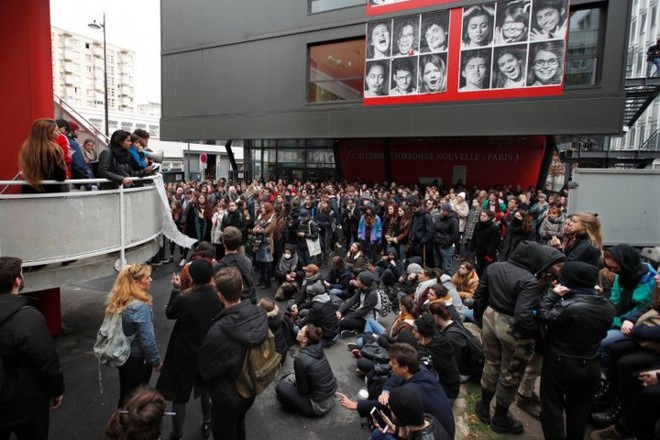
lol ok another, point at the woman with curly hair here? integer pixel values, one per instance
(130, 298)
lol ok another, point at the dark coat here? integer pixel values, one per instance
(322, 313)
(115, 165)
(582, 250)
(314, 377)
(445, 231)
(511, 287)
(233, 219)
(421, 231)
(485, 239)
(193, 311)
(351, 219)
(444, 363)
(244, 266)
(366, 300)
(512, 238)
(221, 356)
(32, 369)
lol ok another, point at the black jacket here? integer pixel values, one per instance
(193, 311)
(221, 356)
(444, 363)
(32, 369)
(421, 231)
(322, 313)
(511, 287)
(445, 231)
(115, 165)
(310, 230)
(351, 219)
(576, 324)
(314, 377)
(366, 300)
(244, 266)
(485, 239)
(233, 218)
(512, 238)
(582, 250)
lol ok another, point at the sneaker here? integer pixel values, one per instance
(506, 425)
(155, 263)
(352, 346)
(483, 412)
(348, 333)
(357, 354)
(164, 260)
(531, 405)
(182, 263)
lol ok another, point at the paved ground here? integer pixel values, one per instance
(85, 410)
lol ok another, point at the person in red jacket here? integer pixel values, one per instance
(63, 142)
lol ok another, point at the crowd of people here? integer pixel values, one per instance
(486, 285)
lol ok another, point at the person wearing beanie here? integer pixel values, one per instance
(408, 420)
(575, 320)
(194, 310)
(445, 234)
(366, 298)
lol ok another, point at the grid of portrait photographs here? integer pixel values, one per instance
(513, 44)
(407, 55)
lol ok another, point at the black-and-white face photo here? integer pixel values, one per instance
(434, 35)
(385, 2)
(512, 22)
(475, 69)
(546, 63)
(478, 24)
(509, 66)
(433, 73)
(406, 36)
(549, 20)
(379, 40)
(404, 76)
(376, 78)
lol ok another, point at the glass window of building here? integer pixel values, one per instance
(583, 47)
(336, 71)
(316, 6)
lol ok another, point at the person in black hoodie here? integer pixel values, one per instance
(434, 344)
(240, 326)
(485, 241)
(33, 381)
(505, 302)
(365, 298)
(321, 313)
(193, 310)
(311, 389)
(571, 374)
(420, 238)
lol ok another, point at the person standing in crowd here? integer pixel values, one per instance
(571, 374)
(89, 152)
(232, 239)
(42, 159)
(263, 232)
(582, 238)
(130, 297)
(445, 234)
(350, 222)
(79, 169)
(193, 310)
(310, 390)
(485, 241)
(240, 326)
(32, 381)
(307, 230)
(370, 231)
(505, 305)
(519, 228)
(421, 233)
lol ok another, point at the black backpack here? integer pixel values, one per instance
(473, 355)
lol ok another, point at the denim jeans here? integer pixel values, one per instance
(443, 258)
(613, 336)
(373, 326)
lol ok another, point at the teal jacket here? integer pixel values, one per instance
(641, 299)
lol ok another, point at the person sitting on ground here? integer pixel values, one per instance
(426, 277)
(310, 390)
(466, 281)
(409, 281)
(139, 419)
(366, 297)
(389, 268)
(338, 278)
(275, 326)
(435, 347)
(408, 373)
(285, 275)
(438, 293)
(321, 312)
(408, 421)
(312, 276)
(355, 261)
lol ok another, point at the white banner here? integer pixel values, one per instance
(169, 227)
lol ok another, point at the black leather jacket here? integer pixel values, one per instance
(575, 324)
(314, 377)
(434, 431)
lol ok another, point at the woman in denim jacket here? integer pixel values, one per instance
(129, 297)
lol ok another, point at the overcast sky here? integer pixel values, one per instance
(132, 24)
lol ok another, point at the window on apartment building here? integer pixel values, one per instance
(127, 126)
(584, 48)
(86, 45)
(654, 10)
(316, 6)
(336, 71)
(642, 24)
(112, 123)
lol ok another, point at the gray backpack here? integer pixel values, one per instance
(112, 346)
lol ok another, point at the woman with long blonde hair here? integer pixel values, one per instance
(130, 298)
(42, 159)
(583, 240)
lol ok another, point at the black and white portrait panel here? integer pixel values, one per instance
(475, 69)
(478, 26)
(406, 36)
(404, 76)
(376, 78)
(379, 39)
(512, 21)
(509, 66)
(433, 73)
(434, 35)
(549, 20)
(546, 63)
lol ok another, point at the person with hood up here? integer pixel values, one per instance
(286, 275)
(312, 276)
(320, 311)
(570, 374)
(366, 298)
(311, 389)
(240, 326)
(508, 295)
(434, 344)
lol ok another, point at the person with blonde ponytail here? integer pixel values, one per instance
(129, 296)
(583, 241)
(42, 159)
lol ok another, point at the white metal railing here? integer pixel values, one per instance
(47, 228)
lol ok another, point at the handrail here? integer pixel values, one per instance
(72, 181)
(88, 125)
(653, 138)
(4, 190)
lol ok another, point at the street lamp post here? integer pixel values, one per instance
(95, 25)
